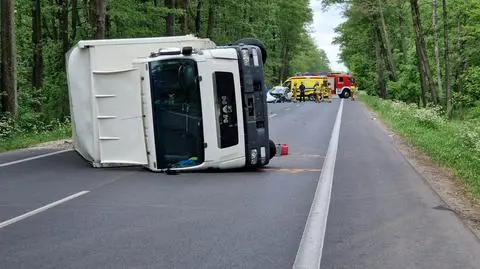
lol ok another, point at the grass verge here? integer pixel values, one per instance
(23, 140)
(453, 144)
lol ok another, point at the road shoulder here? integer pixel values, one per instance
(35, 151)
(451, 190)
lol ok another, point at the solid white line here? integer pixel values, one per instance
(41, 209)
(309, 253)
(34, 157)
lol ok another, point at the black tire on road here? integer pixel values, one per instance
(254, 42)
(273, 149)
(346, 93)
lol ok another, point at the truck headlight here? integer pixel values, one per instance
(253, 156)
(263, 155)
(246, 57)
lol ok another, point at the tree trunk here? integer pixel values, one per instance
(424, 67)
(382, 89)
(448, 89)
(75, 19)
(100, 13)
(211, 18)
(198, 19)
(461, 61)
(403, 31)
(64, 27)
(185, 17)
(170, 18)
(37, 71)
(423, 81)
(437, 52)
(283, 69)
(9, 60)
(91, 10)
(386, 43)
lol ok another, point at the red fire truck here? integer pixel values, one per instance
(342, 84)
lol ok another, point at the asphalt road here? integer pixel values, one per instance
(382, 214)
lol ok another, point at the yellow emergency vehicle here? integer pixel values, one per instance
(308, 81)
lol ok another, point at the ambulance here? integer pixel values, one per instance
(308, 81)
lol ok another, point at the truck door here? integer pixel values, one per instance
(340, 84)
(331, 84)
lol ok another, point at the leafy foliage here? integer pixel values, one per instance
(357, 42)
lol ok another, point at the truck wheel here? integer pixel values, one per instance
(346, 93)
(254, 42)
(273, 149)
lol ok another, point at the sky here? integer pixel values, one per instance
(323, 27)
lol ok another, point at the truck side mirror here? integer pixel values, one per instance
(187, 51)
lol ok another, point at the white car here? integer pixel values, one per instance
(270, 98)
(280, 94)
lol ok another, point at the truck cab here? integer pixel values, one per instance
(188, 109)
(205, 108)
(341, 84)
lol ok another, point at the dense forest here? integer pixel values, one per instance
(417, 51)
(36, 34)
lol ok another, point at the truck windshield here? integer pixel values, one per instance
(177, 113)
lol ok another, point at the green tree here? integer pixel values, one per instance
(45, 30)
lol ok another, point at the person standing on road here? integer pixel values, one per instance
(302, 92)
(317, 92)
(353, 90)
(326, 92)
(295, 92)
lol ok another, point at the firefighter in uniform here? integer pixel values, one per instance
(326, 92)
(353, 91)
(317, 92)
(295, 90)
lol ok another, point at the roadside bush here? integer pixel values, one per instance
(470, 134)
(429, 117)
(29, 123)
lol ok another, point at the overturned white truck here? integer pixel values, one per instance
(169, 103)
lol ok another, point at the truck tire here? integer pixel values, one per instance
(254, 42)
(346, 93)
(273, 149)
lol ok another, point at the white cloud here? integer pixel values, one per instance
(323, 27)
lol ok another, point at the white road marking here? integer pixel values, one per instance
(272, 115)
(287, 108)
(309, 253)
(41, 209)
(34, 157)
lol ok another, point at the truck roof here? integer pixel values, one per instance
(127, 41)
(305, 77)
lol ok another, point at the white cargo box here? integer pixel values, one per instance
(105, 96)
